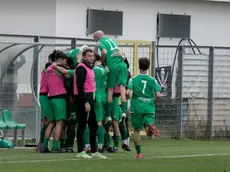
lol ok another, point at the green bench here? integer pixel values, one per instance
(7, 123)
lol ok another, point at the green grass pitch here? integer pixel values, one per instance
(160, 156)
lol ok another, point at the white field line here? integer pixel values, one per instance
(77, 159)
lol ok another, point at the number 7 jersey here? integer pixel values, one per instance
(143, 88)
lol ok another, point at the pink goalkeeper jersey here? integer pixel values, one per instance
(43, 83)
(90, 84)
(55, 82)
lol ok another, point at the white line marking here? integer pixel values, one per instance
(121, 158)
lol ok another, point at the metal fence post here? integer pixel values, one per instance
(73, 43)
(36, 82)
(153, 72)
(210, 91)
(180, 87)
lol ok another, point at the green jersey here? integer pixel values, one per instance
(73, 54)
(143, 87)
(103, 83)
(111, 47)
(98, 75)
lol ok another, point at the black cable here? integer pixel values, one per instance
(195, 45)
(194, 52)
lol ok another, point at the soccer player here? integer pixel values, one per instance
(76, 54)
(57, 99)
(44, 102)
(111, 55)
(116, 117)
(99, 75)
(84, 90)
(123, 125)
(145, 90)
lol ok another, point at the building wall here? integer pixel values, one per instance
(30, 17)
(209, 23)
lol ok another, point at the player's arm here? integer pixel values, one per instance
(157, 90)
(59, 69)
(129, 89)
(81, 78)
(103, 52)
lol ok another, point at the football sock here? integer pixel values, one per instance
(45, 143)
(42, 133)
(116, 141)
(138, 149)
(100, 134)
(124, 107)
(55, 145)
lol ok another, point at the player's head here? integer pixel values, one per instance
(97, 35)
(144, 63)
(60, 57)
(51, 57)
(88, 55)
(97, 61)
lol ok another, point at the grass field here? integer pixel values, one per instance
(159, 156)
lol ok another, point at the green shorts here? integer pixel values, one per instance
(46, 109)
(71, 112)
(59, 109)
(140, 120)
(117, 75)
(116, 110)
(99, 111)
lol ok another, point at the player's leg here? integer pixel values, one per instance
(44, 113)
(100, 130)
(59, 107)
(150, 128)
(111, 84)
(82, 120)
(70, 136)
(137, 124)
(63, 137)
(124, 135)
(71, 125)
(49, 129)
(121, 81)
(116, 116)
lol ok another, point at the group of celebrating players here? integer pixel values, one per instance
(81, 88)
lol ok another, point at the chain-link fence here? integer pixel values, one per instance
(195, 84)
(22, 59)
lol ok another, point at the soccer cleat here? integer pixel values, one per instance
(109, 149)
(58, 151)
(46, 150)
(69, 150)
(108, 120)
(139, 156)
(115, 150)
(84, 155)
(126, 148)
(154, 130)
(39, 148)
(98, 155)
(100, 148)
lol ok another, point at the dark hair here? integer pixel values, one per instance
(144, 63)
(97, 57)
(127, 63)
(60, 55)
(88, 50)
(52, 56)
